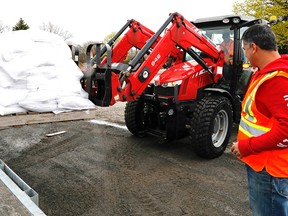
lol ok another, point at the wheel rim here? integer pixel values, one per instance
(221, 123)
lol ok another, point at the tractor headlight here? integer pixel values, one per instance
(236, 20)
(172, 84)
(226, 20)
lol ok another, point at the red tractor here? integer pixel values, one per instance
(178, 83)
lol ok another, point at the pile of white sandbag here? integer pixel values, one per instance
(37, 74)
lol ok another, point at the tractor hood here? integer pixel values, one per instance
(178, 72)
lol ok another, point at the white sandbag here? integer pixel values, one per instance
(39, 106)
(35, 106)
(20, 84)
(40, 63)
(5, 79)
(40, 101)
(14, 44)
(10, 96)
(32, 49)
(11, 109)
(43, 78)
(74, 103)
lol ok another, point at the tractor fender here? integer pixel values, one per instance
(223, 92)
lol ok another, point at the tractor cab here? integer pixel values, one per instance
(226, 33)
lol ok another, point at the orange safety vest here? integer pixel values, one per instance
(254, 124)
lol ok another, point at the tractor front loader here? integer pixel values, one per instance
(174, 86)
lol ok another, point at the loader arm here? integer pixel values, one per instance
(180, 35)
(98, 84)
(175, 36)
(136, 36)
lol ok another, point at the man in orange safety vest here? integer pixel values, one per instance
(227, 46)
(262, 142)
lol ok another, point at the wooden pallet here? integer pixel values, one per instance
(37, 118)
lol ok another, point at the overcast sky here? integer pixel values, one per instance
(93, 20)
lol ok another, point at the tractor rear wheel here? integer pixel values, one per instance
(211, 126)
(141, 115)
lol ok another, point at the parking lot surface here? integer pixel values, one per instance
(99, 168)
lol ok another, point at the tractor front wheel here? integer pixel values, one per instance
(211, 126)
(140, 116)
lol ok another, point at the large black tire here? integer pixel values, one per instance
(211, 126)
(140, 115)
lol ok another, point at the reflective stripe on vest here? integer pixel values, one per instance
(248, 103)
(254, 124)
(250, 129)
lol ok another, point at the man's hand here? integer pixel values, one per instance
(235, 149)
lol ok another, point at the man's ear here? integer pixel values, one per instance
(254, 47)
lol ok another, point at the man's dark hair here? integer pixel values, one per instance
(262, 36)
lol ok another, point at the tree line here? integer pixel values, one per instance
(264, 9)
(50, 27)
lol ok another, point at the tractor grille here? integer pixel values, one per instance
(167, 91)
